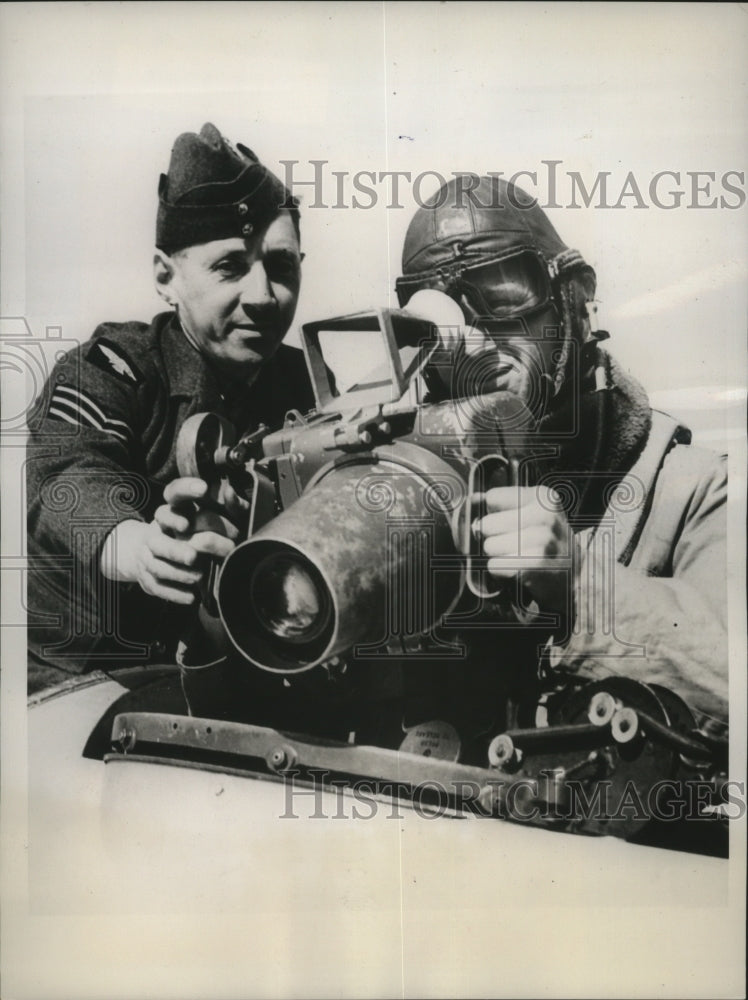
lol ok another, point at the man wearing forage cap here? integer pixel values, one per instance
(108, 580)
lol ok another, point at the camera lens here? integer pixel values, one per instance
(287, 599)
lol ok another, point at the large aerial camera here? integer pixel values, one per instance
(360, 517)
(359, 542)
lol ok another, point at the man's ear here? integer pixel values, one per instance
(163, 274)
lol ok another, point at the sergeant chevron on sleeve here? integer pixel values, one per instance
(109, 580)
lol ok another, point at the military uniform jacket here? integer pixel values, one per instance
(102, 446)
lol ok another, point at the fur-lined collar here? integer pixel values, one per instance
(612, 420)
(628, 417)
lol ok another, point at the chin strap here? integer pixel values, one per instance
(567, 290)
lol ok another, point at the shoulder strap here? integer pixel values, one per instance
(630, 502)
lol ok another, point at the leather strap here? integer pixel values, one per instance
(631, 499)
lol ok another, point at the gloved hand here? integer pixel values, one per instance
(525, 530)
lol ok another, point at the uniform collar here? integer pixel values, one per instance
(190, 374)
(186, 369)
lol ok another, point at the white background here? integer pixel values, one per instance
(98, 94)
(93, 96)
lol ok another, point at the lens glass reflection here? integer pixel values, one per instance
(287, 600)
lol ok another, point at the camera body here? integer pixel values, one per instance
(359, 532)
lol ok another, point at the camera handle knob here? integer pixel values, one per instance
(203, 441)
